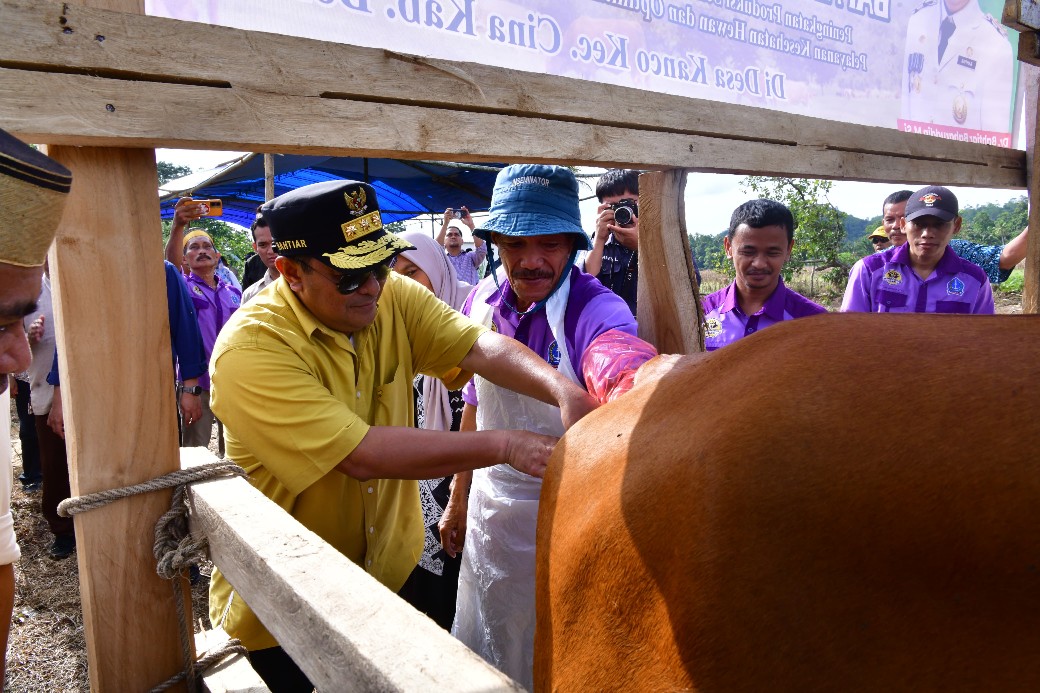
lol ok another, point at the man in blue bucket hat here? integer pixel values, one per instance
(537, 296)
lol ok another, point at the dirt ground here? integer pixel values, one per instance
(47, 650)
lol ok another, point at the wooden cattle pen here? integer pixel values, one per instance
(102, 85)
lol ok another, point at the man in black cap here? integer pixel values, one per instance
(33, 189)
(924, 275)
(313, 381)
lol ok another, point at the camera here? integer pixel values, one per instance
(460, 213)
(625, 211)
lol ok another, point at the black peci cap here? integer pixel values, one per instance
(337, 222)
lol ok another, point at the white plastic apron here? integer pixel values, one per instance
(494, 613)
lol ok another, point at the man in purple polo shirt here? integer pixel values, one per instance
(543, 301)
(466, 262)
(924, 275)
(214, 300)
(760, 239)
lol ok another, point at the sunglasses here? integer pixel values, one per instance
(349, 282)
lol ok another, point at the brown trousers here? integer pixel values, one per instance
(55, 467)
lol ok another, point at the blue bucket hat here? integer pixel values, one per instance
(534, 200)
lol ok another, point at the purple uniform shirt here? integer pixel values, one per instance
(725, 322)
(592, 309)
(466, 263)
(886, 283)
(213, 308)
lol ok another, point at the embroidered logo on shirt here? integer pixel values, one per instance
(235, 299)
(893, 277)
(712, 327)
(955, 287)
(554, 355)
(197, 289)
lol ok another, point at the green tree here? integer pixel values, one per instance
(168, 171)
(982, 228)
(820, 226)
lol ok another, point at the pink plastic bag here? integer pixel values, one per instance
(611, 361)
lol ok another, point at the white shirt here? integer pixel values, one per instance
(9, 551)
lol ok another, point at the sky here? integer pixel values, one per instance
(710, 197)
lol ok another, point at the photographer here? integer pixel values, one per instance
(465, 261)
(614, 258)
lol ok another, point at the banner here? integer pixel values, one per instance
(938, 67)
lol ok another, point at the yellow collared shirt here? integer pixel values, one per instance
(296, 397)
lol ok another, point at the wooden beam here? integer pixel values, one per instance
(258, 91)
(233, 674)
(120, 423)
(1021, 15)
(1031, 287)
(347, 633)
(669, 306)
(80, 110)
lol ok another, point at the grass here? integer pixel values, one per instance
(1014, 283)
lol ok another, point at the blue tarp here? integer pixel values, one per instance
(406, 189)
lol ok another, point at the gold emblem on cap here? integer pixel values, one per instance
(356, 201)
(930, 199)
(359, 228)
(960, 109)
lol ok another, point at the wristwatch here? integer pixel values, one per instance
(196, 390)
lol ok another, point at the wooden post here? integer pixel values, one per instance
(669, 306)
(268, 177)
(118, 396)
(117, 390)
(1031, 288)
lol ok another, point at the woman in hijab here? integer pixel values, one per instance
(433, 584)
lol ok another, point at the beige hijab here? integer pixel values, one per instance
(429, 256)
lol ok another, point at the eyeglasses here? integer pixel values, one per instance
(349, 282)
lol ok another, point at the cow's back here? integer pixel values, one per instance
(789, 513)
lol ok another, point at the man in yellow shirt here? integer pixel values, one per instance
(313, 382)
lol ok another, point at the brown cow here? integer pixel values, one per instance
(788, 513)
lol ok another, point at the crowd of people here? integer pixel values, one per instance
(400, 395)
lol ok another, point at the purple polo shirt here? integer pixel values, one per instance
(725, 322)
(592, 309)
(467, 262)
(887, 283)
(213, 308)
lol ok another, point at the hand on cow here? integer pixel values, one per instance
(529, 452)
(577, 404)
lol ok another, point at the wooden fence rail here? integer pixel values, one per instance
(342, 627)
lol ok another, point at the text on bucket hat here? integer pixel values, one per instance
(534, 200)
(337, 222)
(933, 201)
(33, 190)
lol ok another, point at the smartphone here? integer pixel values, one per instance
(460, 213)
(211, 208)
